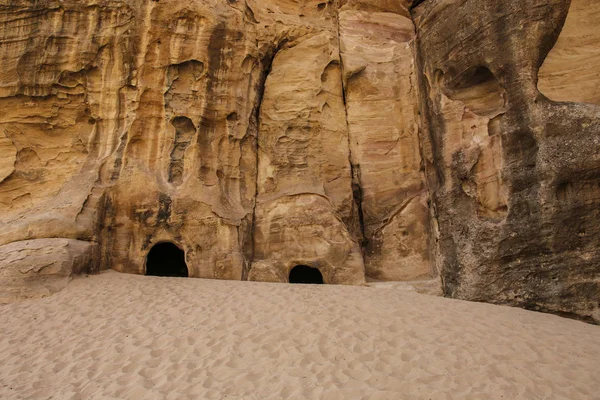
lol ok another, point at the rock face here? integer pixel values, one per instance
(569, 72)
(34, 268)
(514, 176)
(373, 140)
(377, 49)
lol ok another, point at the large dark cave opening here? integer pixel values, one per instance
(166, 259)
(305, 274)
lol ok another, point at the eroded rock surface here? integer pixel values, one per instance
(374, 140)
(380, 83)
(570, 72)
(34, 268)
(514, 176)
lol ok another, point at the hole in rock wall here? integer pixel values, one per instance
(166, 259)
(479, 90)
(305, 274)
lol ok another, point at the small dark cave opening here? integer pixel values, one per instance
(166, 259)
(305, 274)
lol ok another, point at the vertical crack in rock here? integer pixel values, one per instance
(430, 156)
(357, 194)
(266, 64)
(357, 191)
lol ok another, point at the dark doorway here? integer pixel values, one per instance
(305, 274)
(166, 259)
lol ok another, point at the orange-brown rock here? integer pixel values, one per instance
(377, 49)
(373, 140)
(569, 72)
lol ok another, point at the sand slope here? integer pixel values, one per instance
(117, 336)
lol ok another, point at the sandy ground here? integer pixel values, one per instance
(117, 336)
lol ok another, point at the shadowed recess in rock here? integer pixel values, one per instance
(184, 132)
(479, 90)
(305, 274)
(166, 259)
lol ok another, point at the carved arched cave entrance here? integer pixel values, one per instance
(305, 274)
(166, 259)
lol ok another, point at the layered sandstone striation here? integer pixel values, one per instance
(372, 140)
(377, 49)
(569, 72)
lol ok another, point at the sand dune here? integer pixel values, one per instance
(117, 336)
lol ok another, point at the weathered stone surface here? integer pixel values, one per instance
(9, 157)
(302, 230)
(36, 268)
(371, 139)
(570, 72)
(184, 170)
(514, 176)
(381, 96)
(134, 123)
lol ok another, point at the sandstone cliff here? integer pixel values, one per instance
(373, 140)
